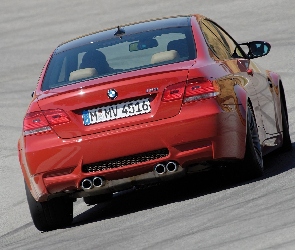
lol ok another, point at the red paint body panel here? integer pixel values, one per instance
(190, 139)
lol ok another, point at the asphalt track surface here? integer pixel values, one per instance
(211, 211)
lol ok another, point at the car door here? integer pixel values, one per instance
(226, 52)
(265, 93)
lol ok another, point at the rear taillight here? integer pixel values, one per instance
(194, 90)
(56, 116)
(200, 88)
(173, 92)
(40, 121)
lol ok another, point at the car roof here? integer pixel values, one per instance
(132, 28)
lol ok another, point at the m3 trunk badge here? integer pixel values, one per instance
(112, 94)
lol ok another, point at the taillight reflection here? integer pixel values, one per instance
(40, 121)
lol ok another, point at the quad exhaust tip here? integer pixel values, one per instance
(170, 166)
(96, 182)
(87, 184)
(160, 168)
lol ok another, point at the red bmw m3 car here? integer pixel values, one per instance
(144, 103)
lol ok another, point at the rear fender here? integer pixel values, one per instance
(30, 180)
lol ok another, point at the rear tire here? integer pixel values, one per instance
(287, 144)
(52, 214)
(253, 161)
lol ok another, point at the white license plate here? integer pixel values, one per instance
(116, 111)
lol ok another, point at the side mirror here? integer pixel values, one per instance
(257, 48)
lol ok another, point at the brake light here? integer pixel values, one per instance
(200, 88)
(40, 121)
(56, 116)
(173, 92)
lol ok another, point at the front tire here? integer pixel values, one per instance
(253, 161)
(52, 214)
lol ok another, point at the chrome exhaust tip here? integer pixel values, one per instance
(98, 181)
(160, 168)
(171, 166)
(87, 184)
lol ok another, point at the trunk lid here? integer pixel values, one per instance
(139, 100)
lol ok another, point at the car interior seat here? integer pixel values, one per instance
(166, 56)
(180, 46)
(95, 59)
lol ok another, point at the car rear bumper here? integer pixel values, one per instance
(52, 165)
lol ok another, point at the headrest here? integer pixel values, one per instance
(164, 56)
(180, 46)
(82, 74)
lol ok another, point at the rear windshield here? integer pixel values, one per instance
(117, 55)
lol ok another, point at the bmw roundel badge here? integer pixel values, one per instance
(112, 94)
